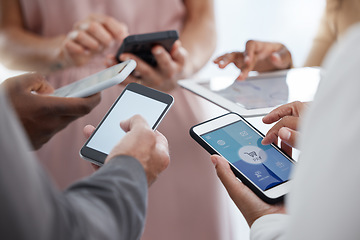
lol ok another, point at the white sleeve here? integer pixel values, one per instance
(268, 227)
(324, 199)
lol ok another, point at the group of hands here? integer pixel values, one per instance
(43, 116)
(96, 33)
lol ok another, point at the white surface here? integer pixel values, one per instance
(260, 94)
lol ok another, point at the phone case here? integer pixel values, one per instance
(244, 180)
(141, 44)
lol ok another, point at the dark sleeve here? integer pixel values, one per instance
(110, 204)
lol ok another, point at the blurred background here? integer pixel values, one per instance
(292, 23)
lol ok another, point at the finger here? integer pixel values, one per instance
(289, 109)
(281, 59)
(30, 82)
(72, 106)
(148, 75)
(288, 136)
(249, 59)
(134, 122)
(75, 49)
(88, 130)
(272, 135)
(100, 33)
(87, 41)
(178, 53)
(117, 29)
(164, 60)
(286, 149)
(236, 189)
(95, 167)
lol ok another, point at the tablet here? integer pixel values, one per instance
(97, 82)
(257, 95)
(151, 104)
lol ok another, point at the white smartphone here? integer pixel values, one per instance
(135, 99)
(97, 82)
(265, 169)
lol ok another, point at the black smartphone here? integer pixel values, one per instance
(141, 44)
(151, 104)
(265, 169)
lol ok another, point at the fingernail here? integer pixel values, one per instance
(158, 51)
(276, 56)
(284, 133)
(221, 62)
(213, 160)
(246, 59)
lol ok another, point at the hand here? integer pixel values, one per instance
(171, 67)
(142, 143)
(250, 205)
(258, 56)
(288, 116)
(90, 37)
(41, 115)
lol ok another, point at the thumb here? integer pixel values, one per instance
(227, 177)
(281, 59)
(288, 136)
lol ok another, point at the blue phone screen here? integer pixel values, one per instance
(240, 145)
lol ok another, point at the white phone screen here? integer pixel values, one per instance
(130, 104)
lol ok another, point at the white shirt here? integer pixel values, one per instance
(324, 201)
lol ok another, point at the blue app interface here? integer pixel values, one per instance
(240, 145)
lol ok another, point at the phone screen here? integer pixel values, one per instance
(130, 104)
(264, 165)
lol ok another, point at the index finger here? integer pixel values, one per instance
(116, 28)
(289, 109)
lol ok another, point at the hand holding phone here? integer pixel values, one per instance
(141, 44)
(265, 169)
(151, 104)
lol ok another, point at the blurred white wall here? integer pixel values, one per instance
(291, 22)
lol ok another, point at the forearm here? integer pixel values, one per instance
(22, 50)
(198, 36)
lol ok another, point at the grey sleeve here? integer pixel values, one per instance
(110, 204)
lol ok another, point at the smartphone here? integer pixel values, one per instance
(97, 82)
(135, 99)
(265, 169)
(141, 44)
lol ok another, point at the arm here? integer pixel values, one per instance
(23, 50)
(322, 42)
(110, 204)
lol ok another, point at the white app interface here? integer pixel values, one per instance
(130, 104)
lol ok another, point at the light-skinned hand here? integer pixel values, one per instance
(287, 117)
(171, 66)
(258, 56)
(250, 205)
(89, 37)
(141, 142)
